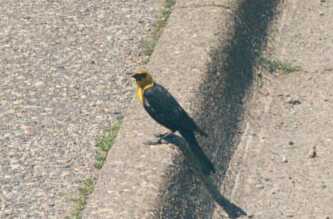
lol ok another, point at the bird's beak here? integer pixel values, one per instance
(133, 76)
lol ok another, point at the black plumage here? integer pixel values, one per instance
(165, 109)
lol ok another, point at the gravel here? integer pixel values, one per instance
(64, 68)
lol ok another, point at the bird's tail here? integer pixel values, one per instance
(205, 164)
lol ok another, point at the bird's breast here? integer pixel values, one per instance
(141, 90)
(139, 94)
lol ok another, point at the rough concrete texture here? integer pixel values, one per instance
(285, 157)
(64, 68)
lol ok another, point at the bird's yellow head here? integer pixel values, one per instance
(143, 81)
(142, 78)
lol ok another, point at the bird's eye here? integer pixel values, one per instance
(141, 77)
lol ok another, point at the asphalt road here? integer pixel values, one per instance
(64, 68)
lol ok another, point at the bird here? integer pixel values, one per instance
(165, 110)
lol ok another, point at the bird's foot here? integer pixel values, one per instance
(163, 135)
(156, 142)
(160, 139)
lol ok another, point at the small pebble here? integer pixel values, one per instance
(260, 186)
(294, 101)
(313, 152)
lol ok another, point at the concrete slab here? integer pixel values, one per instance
(286, 167)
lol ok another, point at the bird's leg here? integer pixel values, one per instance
(161, 138)
(164, 135)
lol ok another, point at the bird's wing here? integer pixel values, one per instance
(165, 109)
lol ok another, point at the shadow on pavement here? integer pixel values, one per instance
(229, 79)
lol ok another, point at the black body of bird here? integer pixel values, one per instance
(165, 109)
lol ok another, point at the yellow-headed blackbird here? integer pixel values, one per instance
(165, 109)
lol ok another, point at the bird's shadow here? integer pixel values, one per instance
(230, 208)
